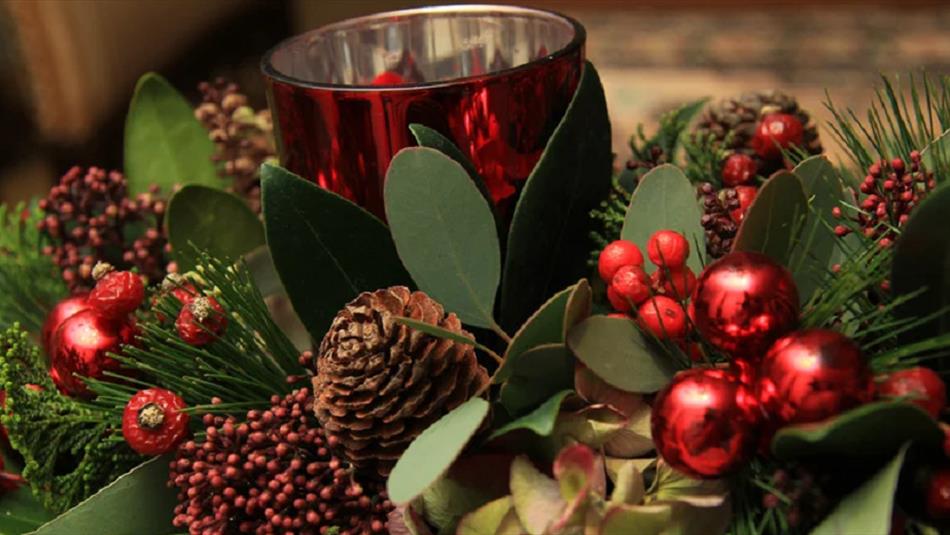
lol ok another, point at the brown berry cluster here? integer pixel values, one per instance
(717, 220)
(799, 495)
(646, 160)
(273, 473)
(890, 192)
(90, 218)
(243, 137)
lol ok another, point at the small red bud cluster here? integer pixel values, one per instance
(275, 472)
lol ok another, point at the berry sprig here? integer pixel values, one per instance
(201, 321)
(153, 422)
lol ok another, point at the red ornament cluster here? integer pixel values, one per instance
(153, 422)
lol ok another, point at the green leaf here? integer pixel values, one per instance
(138, 502)
(539, 421)
(326, 249)
(870, 431)
(438, 332)
(774, 219)
(487, 519)
(614, 349)
(200, 218)
(538, 374)
(823, 189)
(536, 497)
(548, 241)
(867, 510)
(427, 137)
(434, 451)
(545, 326)
(922, 261)
(936, 152)
(639, 519)
(164, 142)
(579, 306)
(444, 232)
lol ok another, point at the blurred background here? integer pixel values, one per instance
(68, 67)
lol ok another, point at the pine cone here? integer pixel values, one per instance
(380, 383)
(740, 117)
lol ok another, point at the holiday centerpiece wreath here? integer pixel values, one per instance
(777, 372)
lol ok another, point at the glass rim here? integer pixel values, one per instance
(576, 42)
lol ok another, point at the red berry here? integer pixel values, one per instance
(668, 248)
(201, 321)
(676, 283)
(617, 254)
(922, 386)
(619, 303)
(938, 494)
(631, 283)
(746, 195)
(663, 317)
(775, 132)
(739, 169)
(153, 422)
(117, 293)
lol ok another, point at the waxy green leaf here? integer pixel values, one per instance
(539, 373)
(774, 220)
(539, 421)
(811, 259)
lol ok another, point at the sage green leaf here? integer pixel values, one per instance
(548, 239)
(639, 519)
(539, 373)
(427, 137)
(629, 485)
(539, 421)
(579, 305)
(616, 351)
(922, 262)
(138, 502)
(444, 232)
(868, 509)
(666, 200)
(871, 431)
(536, 497)
(487, 519)
(813, 256)
(202, 219)
(165, 144)
(326, 249)
(434, 451)
(438, 332)
(774, 219)
(545, 326)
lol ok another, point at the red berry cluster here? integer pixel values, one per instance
(153, 422)
(273, 473)
(657, 297)
(89, 218)
(890, 191)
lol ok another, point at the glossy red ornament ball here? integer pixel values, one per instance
(80, 348)
(938, 494)
(117, 294)
(808, 376)
(668, 248)
(738, 169)
(615, 255)
(153, 422)
(921, 386)
(617, 301)
(677, 283)
(201, 321)
(662, 316)
(745, 196)
(60, 313)
(743, 302)
(777, 131)
(704, 423)
(632, 284)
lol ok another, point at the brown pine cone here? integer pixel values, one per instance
(380, 383)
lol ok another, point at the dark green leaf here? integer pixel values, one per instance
(427, 137)
(812, 257)
(437, 331)
(545, 326)
(868, 509)
(539, 373)
(922, 261)
(434, 451)
(540, 421)
(870, 431)
(138, 502)
(203, 219)
(665, 200)
(775, 218)
(615, 350)
(578, 306)
(548, 240)
(445, 232)
(164, 142)
(326, 249)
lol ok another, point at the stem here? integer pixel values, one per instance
(498, 358)
(501, 333)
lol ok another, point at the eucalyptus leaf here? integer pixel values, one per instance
(138, 502)
(548, 239)
(434, 451)
(165, 144)
(540, 373)
(539, 421)
(326, 249)
(579, 305)
(545, 326)
(444, 232)
(812, 258)
(774, 219)
(202, 219)
(437, 331)
(871, 431)
(427, 137)
(665, 200)
(616, 351)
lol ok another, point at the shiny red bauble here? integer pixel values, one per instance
(812, 375)
(668, 248)
(632, 284)
(662, 316)
(921, 386)
(615, 255)
(745, 195)
(738, 169)
(743, 302)
(60, 313)
(704, 423)
(80, 348)
(777, 131)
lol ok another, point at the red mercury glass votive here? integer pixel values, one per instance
(494, 79)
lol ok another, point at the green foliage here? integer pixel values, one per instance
(20, 510)
(704, 157)
(30, 284)
(540, 421)
(608, 218)
(545, 326)
(668, 135)
(773, 222)
(70, 448)
(537, 374)
(427, 137)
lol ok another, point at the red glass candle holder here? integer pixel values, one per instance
(494, 79)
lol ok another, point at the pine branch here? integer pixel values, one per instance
(704, 157)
